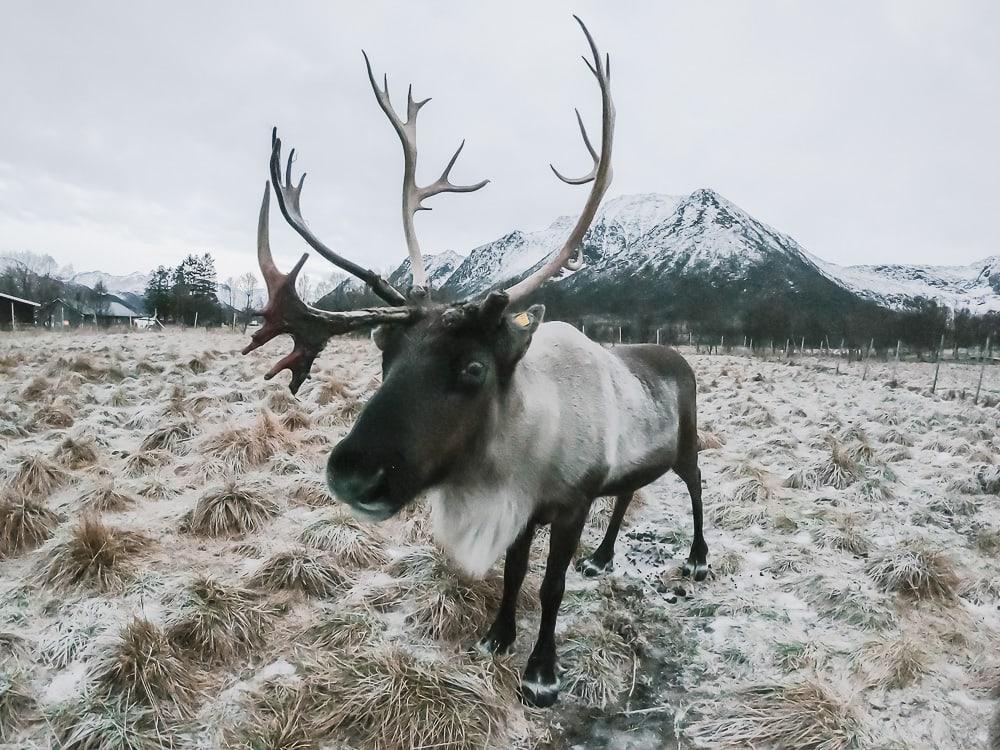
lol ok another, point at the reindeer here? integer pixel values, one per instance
(505, 422)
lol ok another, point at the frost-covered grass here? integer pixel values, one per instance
(205, 590)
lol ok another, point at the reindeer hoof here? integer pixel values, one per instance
(592, 568)
(539, 694)
(492, 643)
(696, 570)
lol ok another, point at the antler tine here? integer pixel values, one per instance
(285, 313)
(570, 256)
(289, 197)
(413, 195)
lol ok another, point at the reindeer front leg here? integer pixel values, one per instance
(502, 633)
(540, 683)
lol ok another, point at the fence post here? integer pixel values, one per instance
(937, 369)
(786, 347)
(982, 370)
(657, 336)
(619, 334)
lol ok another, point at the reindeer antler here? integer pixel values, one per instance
(288, 201)
(570, 256)
(309, 327)
(413, 195)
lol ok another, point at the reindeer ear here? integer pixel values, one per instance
(529, 320)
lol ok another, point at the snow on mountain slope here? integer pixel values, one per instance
(652, 242)
(975, 287)
(132, 283)
(438, 266)
(706, 232)
(618, 224)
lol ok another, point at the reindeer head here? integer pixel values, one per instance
(445, 368)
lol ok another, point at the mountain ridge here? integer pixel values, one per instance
(657, 240)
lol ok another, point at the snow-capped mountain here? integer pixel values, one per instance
(132, 283)
(672, 254)
(619, 223)
(975, 287)
(438, 266)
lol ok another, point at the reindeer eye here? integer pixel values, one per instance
(473, 372)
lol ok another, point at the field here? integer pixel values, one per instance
(173, 574)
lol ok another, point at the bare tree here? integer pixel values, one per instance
(306, 288)
(246, 285)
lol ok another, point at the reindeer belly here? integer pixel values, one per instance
(643, 444)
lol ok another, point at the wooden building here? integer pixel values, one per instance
(16, 311)
(61, 313)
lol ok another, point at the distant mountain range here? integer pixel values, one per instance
(698, 253)
(695, 256)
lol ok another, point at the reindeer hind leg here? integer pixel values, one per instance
(602, 559)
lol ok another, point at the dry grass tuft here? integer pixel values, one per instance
(852, 602)
(218, 621)
(94, 554)
(237, 507)
(156, 489)
(598, 665)
(105, 496)
(791, 656)
(173, 437)
(753, 490)
(239, 448)
(348, 542)
(143, 462)
(331, 390)
(76, 453)
(892, 662)
(17, 705)
(727, 563)
(36, 389)
(37, 476)
(988, 542)
(311, 492)
(278, 719)
(300, 569)
(846, 533)
(24, 524)
(281, 401)
(338, 629)
(142, 666)
(839, 470)
(295, 419)
(916, 572)
(112, 725)
(801, 479)
(56, 414)
(709, 440)
(389, 698)
(988, 478)
(446, 604)
(805, 715)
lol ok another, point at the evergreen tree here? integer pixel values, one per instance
(159, 293)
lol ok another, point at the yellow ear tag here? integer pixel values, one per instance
(522, 319)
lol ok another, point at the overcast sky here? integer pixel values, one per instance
(132, 133)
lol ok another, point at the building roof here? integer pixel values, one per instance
(12, 298)
(115, 309)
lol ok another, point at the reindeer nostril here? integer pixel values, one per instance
(356, 487)
(371, 489)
